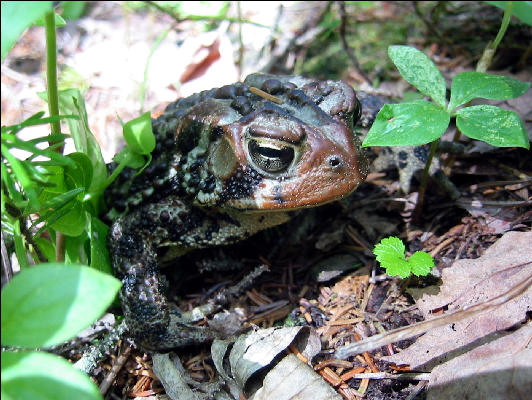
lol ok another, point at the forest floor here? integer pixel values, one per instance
(329, 280)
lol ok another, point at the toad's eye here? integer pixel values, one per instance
(270, 157)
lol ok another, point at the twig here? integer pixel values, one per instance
(7, 268)
(226, 295)
(90, 359)
(416, 390)
(345, 45)
(407, 376)
(173, 377)
(201, 17)
(430, 25)
(406, 332)
(416, 215)
(117, 366)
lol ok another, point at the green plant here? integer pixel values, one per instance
(42, 307)
(421, 122)
(50, 205)
(390, 253)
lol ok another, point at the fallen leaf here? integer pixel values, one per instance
(498, 370)
(256, 365)
(505, 264)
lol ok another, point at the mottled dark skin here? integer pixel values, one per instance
(228, 163)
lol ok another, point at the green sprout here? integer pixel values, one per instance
(390, 253)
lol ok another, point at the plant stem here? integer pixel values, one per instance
(423, 187)
(146, 68)
(53, 105)
(504, 24)
(485, 61)
(489, 51)
(51, 74)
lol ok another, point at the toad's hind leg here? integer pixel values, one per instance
(148, 316)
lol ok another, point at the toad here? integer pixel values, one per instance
(228, 163)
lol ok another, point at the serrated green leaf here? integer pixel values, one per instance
(470, 85)
(36, 375)
(50, 303)
(398, 268)
(420, 263)
(418, 70)
(493, 125)
(408, 124)
(391, 246)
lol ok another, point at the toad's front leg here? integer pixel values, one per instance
(133, 242)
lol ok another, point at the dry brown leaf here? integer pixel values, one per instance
(498, 370)
(504, 265)
(256, 366)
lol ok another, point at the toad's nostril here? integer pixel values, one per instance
(334, 161)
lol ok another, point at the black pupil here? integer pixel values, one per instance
(271, 159)
(270, 153)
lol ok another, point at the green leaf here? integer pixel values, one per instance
(129, 158)
(493, 125)
(420, 263)
(16, 16)
(59, 21)
(22, 176)
(59, 207)
(399, 268)
(521, 9)
(418, 70)
(20, 249)
(71, 102)
(12, 191)
(75, 249)
(390, 253)
(391, 246)
(408, 124)
(12, 141)
(73, 9)
(81, 175)
(72, 223)
(30, 375)
(470, 85)
(100, 259)
(50, 303)
(46, 247)
(138, 134)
